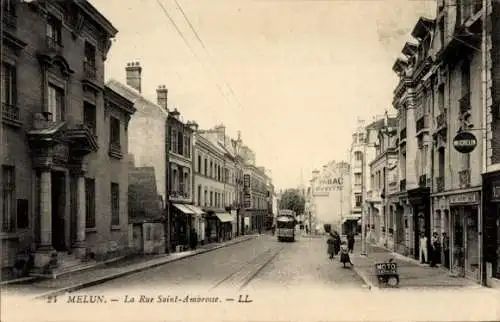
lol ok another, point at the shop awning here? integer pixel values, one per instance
(197, 211)
(224, 217)
(184, 209)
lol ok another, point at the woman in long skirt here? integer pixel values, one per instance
(344, 254)
(331, 248)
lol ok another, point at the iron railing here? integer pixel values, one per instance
(440, 184)
(464, 178)
(10, 112)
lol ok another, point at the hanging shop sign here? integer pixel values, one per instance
(465, 142)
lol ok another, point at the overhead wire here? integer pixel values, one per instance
(181, 34)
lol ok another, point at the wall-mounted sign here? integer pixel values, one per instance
(246, 182)
(464, 198)
(465, 142)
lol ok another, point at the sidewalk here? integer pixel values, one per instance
(86, 278)
(411, 273)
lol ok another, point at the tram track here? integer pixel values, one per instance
(245, 273)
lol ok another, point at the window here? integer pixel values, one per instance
(358, 155)
(180, 143)
(441, 163)
(357, 178)
(205, 197)
(22, 213)
(115, 204)
(206, 167)
(9, 7)
(199, 163)
(89, 65)
(54, 35)
(8, 197)
(199, 195)
(8, 89)
(89, 117)
(188, 146)
(56, 103)
(173, 140)
(211, 168)
(359, 199)
(211, 198)
(114, 132)
(89, 203)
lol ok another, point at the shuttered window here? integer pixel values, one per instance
(89, 203)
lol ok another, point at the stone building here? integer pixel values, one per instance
(64, 136)
(439, 95)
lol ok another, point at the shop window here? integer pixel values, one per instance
(8, 197)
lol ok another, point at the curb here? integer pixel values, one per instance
(18, 280)
(366, 280)
(104, 279)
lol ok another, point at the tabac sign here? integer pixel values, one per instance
(465, 142)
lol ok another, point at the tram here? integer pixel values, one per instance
(285, 225)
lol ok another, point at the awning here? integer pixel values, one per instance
(197, 211)
(184, 209)
(224, 217)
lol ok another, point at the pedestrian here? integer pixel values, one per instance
(446, 249)
(273, 229)
(423, 252)
(435, 250)
(331, 247)
(350, 242)
(336, 243)
(307, 230)
(344, 254)
(193, 242)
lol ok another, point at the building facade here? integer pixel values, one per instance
(380, 217)
(255, 197)
(64, 136)
(439, 95)
(331, 197)
(147, 188)
(210, 185)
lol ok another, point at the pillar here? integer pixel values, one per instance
(45, 250)
(79, 243)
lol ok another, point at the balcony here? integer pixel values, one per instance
(464, 103)
(402, 185)
(89, 70)
(180, 195)
(441, 120)
(440, 184)
(115, 150)
(464, 178)
(11, 114)
(402, 134)
(422, 124)
(422, 181)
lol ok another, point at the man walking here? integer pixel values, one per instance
(446, 250)
(350, 242)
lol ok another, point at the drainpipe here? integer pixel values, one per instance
(484, 126)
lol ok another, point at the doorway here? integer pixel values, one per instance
(58, 190)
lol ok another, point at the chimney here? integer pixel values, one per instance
(162, 96)
(175, 114)
(192, 125)
(221, 132)
(133, 74)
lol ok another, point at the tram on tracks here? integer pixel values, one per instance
(285, 225)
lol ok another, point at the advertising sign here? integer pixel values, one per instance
(246, 182)
(465, 142)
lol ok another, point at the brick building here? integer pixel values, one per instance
(64, 136)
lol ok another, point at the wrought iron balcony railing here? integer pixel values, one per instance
(464, 178)
(440, 184)
(10, 112)
(115, 150)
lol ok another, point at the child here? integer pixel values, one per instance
(344, 254)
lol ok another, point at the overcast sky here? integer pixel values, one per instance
(292, 75)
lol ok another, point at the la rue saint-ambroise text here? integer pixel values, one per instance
(100, 299)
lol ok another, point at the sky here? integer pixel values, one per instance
(292, 75)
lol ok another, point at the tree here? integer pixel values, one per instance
(292, 199)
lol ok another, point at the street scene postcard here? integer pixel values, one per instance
(250, 160)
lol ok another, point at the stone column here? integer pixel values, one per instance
(79, 243)
(45, 250)
(46, 210)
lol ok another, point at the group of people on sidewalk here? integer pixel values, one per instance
(336, 245)
(430, 251)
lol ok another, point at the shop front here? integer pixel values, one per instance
(419, 199)
(464, 234)
(181, 224)
(491, 228)
(396, 233)
(441, 224)
(225, 226)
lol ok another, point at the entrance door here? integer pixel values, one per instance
(472, 242)
(458, 243)
(58, 210)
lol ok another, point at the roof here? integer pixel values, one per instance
(132, 94)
